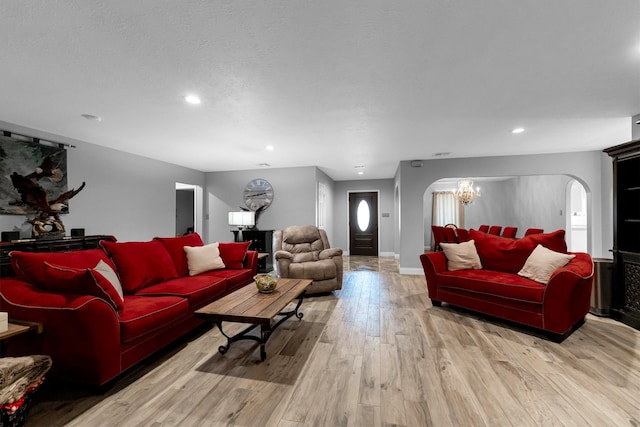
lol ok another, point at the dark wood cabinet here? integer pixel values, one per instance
(261, 241)
(65, 244)
(626, 232)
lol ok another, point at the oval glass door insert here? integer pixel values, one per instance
(363, 215)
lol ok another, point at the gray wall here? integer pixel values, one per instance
(128, 196)
(587, 167)
(294, 199)
(384, 187)
(522, 201)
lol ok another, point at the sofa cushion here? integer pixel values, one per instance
(233, 254)
(145, 315)
(508, 255)
(495, 283)
(461, 256)
(140, 264)
(542, 263)
(235, 278)
(199, 290)
(29, 266)
(175, 247)
(203, 258)
(84, 281)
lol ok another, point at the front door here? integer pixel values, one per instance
(363, 223)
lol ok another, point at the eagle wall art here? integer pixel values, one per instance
(34, 178)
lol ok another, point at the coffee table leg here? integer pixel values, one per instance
(239, 336)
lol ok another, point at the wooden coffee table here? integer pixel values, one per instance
(247, 305)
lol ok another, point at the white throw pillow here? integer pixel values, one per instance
(111, 276)
(461, 256)
(542, 263)
(203, 258)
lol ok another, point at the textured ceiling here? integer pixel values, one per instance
(330, 83)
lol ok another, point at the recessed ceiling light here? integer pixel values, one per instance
(192, 99)
(638, 122)
(443, 153)
(360, 172)
(359, 167)
(270, 148)
(517, 130)
(92, 117)
(264, 164)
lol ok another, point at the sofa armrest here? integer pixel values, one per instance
(433, 263)
(567, 297)
(282, 260)
(81, 333)
(330, 253)
(251, 262)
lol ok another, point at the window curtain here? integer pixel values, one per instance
(446, 209)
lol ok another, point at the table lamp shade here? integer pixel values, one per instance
(242, 218)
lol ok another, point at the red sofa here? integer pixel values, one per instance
(91, 334)
(497, 290)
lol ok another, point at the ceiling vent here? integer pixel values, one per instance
(417, 163)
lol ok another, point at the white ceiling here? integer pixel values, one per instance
(332, 83)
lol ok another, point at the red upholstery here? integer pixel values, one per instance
(29, 266)
(450, 235)
(484, 228)
(234, 278)
(233, 254)
(83, 334)
(198, 290)
(531, 231)
(140, 264)
(145, 315)
(500, 254)
(495, 230)
(438, 236)
(497, 290)
(83, 282)
(175, 248)
(510, 232)
(463, 235)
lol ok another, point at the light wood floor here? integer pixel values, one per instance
(375, 354)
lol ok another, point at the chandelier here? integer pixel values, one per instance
(465, 192)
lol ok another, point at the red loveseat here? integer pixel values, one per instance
(497, 290)
(91, 334)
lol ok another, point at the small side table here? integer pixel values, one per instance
(18, 327)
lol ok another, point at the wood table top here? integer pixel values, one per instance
(250, 306)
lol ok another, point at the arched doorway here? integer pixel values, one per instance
(576, 235)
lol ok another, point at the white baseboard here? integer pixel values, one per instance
(387, 254)
(412, 271)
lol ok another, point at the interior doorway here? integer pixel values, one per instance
(186, 202)
(363, 223)
(577, 217)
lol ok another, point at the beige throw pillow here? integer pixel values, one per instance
(203, 258)
(111, 276)
(461, 256)
(542, 263)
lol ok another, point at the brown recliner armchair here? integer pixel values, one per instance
(303, 252)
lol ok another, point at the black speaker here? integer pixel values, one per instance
(77, 232)
(8, 236)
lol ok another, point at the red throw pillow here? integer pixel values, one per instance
(233, 254)
(140, 264)
(29, 266)
(83, 281)
(175, 247)
(508, 255)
